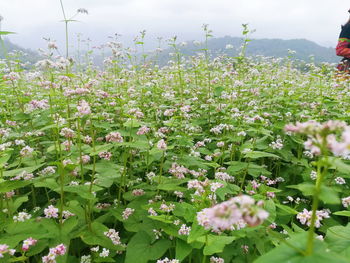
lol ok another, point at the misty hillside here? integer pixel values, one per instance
(25, 55)
(217, 46)
(265, 47)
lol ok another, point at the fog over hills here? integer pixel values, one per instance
(303, 48)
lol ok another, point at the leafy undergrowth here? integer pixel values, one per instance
(186, 163)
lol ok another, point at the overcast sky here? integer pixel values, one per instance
(316, 20)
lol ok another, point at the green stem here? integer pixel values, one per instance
(80, 151)
(315, 202)
(161, 171)
(204, 259)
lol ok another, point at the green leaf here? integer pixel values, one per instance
(141, 145)
(339, 165)
(338, 238)
(100, 148)
(171, 184)
(132, 123)
(141, 249)
(96, 237)
(82, 190)
(20, 170)
(182, 249)
(327, 195)
(107, 172)
(258, 154)
(306, 188)
(218, 91)
(39, 247)
(253, 169)
(4, 158)
(342, 213)
(185, 210)
(287, 210)
(292, 252)
(196, 232)
(162, 218)
(47, 182)
(270, 207)
(19, 201)
(216, 244)
(8, 186)
(69, 225)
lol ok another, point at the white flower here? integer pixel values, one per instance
(340, 180)
(104, 253)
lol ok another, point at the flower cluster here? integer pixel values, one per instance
(127, 212)
(216, 260)
(114, 137)
(51, 212)
(53, 253)
(28, 243)
(114, 236)
(305, 217)
(232, 214)
(178, 171)
(184, 230)
(166, 260)
(323, 136)
(5, 249)
(83, 108)
(21, 217)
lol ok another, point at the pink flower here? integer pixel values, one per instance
(184, 230)
(51, 212)
(83, 108)
(67, 133)
(305, 217)
(128, 212)
(85, 159)
(27, 243)
(270, 194)
(178, 171)
(3, 250)
(53, 253)
(8, 195)
(221, 217)
(105, 155)
(113, 236)
(138, 192)
(60, 249)
(114, 137)
(143, 130)
(232, 214)
(26, 151)
(346, 201)
(87, 139)
(161, 145)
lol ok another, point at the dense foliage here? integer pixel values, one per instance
(196, 161)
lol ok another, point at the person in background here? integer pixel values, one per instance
(343, 49)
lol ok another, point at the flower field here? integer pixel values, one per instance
(203, 160)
